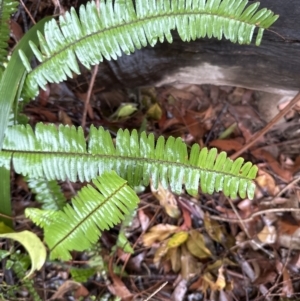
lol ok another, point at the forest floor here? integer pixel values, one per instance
(179, 247)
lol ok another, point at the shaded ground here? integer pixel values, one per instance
(203, 248)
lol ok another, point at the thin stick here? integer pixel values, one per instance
(88, 96)
(156, 291)
(242, 222)
(259, 134)
(287, 187)
(28, 12)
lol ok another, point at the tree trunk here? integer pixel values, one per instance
(272, 67)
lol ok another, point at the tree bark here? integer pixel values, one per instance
(272, 67)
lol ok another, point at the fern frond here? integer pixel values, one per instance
(7, 7)
(48, 193)
(62, 153)
(121, 28)
(94, 210)
(42, 218)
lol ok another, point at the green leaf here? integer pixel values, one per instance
(125, 110)
(5, 229)
(13, 74)
(5, 200)
(34, 247)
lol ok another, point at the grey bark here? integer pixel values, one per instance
(272, 67)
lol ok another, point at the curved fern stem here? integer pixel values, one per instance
(120, 27)
(62, 153)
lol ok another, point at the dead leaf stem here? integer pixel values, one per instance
(88, 96)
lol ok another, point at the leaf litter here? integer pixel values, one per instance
(182, 248)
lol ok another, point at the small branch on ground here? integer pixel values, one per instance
(88, 96)
(259, 134)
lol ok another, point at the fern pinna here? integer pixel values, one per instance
(121, 27)
(62, 153)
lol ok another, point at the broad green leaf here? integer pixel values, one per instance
(13, 74)
(34, 247)
(5, 229)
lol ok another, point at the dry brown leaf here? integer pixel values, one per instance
(66, 287)
(267, 235)
(16, 30)
(187, 220)
(221, 282)
(246, 132)
(64, 118)
(174, 242)
(217, 232)
(118, 288)
(293, 202)
(287, 285)
(288, 235)
(189, 264)
(158, 233)
(49, 116)
(267, 183)
(208, 282)
(160, 253)
(262, 154)
(296, 167)
(218, 263)
(227, 144)
(174, 255)
(287, 226)
(166, 199)
(144, 219)
(81, 292)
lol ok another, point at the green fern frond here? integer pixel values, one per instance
(94, 210)
(120, 27)
(48, 193)
(42, 218)
(7, 7)
(62, 153)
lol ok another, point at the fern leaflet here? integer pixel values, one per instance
(48, 193)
